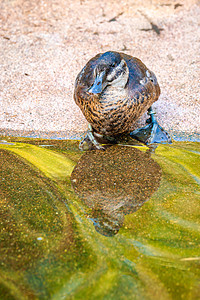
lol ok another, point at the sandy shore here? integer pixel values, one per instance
(44, 44)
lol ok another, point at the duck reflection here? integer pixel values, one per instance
(114, 183)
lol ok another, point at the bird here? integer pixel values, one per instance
(113, 90)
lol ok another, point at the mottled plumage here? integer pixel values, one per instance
(114, 110)
(113, 90)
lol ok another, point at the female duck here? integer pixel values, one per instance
(113, 90)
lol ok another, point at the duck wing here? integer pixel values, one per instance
(142, 82)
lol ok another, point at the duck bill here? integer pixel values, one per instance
(98, 84)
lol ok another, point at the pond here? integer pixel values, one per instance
(116, 224)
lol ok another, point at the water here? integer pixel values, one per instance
(116, 224)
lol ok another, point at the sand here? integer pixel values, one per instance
(44, 44)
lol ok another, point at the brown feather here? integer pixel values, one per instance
(115, 110)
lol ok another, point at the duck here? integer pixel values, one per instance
(113, 90)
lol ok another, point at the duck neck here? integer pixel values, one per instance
(113, 94)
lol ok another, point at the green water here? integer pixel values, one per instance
(117, 224)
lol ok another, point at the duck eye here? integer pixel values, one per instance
(113, 65)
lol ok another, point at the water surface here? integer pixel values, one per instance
(117, 224)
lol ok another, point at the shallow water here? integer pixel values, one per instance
(116, 224)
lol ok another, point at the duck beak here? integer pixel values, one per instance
(98, 85)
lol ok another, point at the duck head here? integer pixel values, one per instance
(110, 70)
